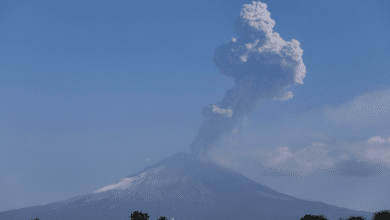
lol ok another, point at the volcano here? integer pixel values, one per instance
(183, 187)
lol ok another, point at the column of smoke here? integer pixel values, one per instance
(262, 66)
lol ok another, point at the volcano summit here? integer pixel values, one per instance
(183, 187)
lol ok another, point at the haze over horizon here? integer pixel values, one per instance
(94, 91)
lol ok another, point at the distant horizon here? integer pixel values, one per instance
(294, 95)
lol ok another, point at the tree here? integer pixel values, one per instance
(382, 215)
(354, 218)
(139, 216)
(314, 217)
(162, 218)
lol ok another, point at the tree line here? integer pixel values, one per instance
(381, 215)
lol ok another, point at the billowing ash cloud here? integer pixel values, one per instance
(262, 66)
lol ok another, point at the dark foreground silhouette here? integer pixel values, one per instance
(141, 216)
(382, 215)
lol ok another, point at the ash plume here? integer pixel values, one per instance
(262, 66)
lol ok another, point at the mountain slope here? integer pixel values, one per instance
(183, 187)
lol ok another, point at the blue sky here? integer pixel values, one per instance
(91, 92)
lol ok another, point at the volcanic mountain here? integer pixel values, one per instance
(183, 187)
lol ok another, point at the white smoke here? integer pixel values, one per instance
(262, 66)
(222, 111)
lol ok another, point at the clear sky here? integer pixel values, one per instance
(93, 91)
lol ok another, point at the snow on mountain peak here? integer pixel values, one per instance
(131, 182)
(123, 184)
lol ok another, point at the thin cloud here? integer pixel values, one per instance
(360, 159)
(369, 108)
(378, 149)
(357, 168)
(378, 140)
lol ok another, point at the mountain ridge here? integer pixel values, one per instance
(183, 186)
